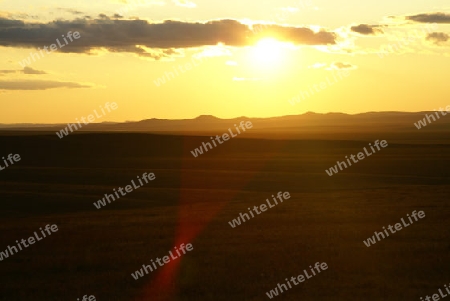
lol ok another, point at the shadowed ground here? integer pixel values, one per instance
(326, 220)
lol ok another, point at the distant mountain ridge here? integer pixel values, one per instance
(280, 121)
(305, 126)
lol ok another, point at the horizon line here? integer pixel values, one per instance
(219, 118)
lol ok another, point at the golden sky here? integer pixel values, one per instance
(179, 59)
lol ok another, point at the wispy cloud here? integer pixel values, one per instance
(26, 70)
(333, 66)
(70, 10)
(341, 66)
(38, 85)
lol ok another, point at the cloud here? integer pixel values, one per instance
(9, 23)
(135, 36)
(430, 18)
(17, 15)
(8, 71)
(70, 10)
(333, 66)
(366, 29)
(341, 66)
(38, 85)
(185, 3)
(438, 37)
(317, 66)
(295, 35)
(26, 70)
(155, 54)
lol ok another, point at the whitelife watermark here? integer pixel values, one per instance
(86, 298)
(401, 43)
(361, 156)
(107, 198)
(12, 159)
(91, 118)
(237, 221)
(300, 278)
(437, 297)
(27, 61)
(199, 151)
(371, 240)
(430, 117)
(31, 240)
(317, 88)
(168, 75)
(166, 259)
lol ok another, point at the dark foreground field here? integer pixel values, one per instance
(191, 201)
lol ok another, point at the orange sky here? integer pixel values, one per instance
(180, 59)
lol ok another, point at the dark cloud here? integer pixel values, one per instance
(438, 37)
(29, 70)
(430, 18)
(9, 23)
(26, 70)
(118, 35)
(8, 71)
(37, 85)
(366, 29)
(296, 35)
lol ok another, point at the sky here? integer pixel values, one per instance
(178, 59)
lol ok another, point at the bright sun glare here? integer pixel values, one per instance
(268, 52)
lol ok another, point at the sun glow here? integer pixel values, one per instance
(268, 52)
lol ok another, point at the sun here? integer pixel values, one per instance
(268, 52)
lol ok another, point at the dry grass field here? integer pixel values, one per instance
(192, 199)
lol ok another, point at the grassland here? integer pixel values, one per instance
(326, 219)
